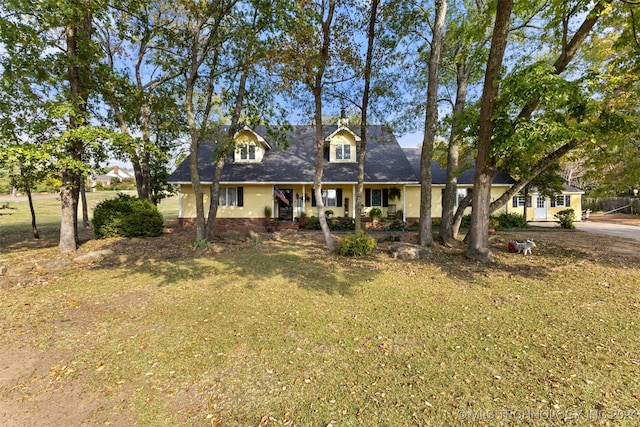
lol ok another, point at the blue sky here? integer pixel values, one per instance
(410, 140)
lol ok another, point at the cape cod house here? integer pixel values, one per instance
(258, 176)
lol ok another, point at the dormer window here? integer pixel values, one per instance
(341, 145)
(343, 151)
(250, 147)
(247, 151)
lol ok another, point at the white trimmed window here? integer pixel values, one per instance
(247, 151)
(343, 152)
(519, 202)
(561, 201)
(230, 196)
(330, 197)
(461, 193)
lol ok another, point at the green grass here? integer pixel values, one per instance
(282, 333)
(17, 215)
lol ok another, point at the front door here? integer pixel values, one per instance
(540, 211)
(285, 212)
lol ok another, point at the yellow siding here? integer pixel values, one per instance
(247, 137)
(257, 196)
(343, 137)
(576, 205)
(412, 202)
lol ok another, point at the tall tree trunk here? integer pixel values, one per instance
(316, 90)
(371, 34)
(214, 191)
(85, 207)
(145, 170)
(317, 181)
(70, 188)
(34, 226)
(479, 234)
(447, 231)
(431, 122)
(194, 131)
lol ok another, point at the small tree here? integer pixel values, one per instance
(566, 218)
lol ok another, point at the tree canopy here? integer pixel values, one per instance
(518, 86)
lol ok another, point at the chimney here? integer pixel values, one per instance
(116, 170)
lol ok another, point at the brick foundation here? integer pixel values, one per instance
(258, 224)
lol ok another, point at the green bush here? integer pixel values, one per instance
(375, 213)
(126, 216)
(465, 222)
(397, 225)
(313, 223)
(343, 223)
(512, 220)
(566, 218)
(356, 244)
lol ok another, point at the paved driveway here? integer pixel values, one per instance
(629, 231)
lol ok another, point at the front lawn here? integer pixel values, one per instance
(278, 332)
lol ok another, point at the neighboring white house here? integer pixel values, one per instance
(115, 172)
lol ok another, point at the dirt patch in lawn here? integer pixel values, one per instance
(35, 383)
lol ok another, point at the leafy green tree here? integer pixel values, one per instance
(502, 127)
(141, 96)
(610, 164)
(478, 244)
(430, 123)
(466, 43)
(309, 49)
(49, 50)
(247, 99)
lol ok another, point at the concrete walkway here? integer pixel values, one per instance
(600, 227)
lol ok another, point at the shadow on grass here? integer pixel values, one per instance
(171, 259)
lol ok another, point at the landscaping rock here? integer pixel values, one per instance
(94, 256)
(408, 251)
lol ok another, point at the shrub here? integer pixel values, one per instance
(375, 213)
(465, 222)
(512, 220)
(356, 244)
(566, 218)
(126, 216)
(342, 223)
(397, 225)
(313, 223)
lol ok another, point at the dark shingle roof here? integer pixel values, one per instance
(385, 162)
(439, 175)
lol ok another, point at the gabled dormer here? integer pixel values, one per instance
(250, 147)
(342, 145)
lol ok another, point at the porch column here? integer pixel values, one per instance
(353, 197)
(304, 199)
(404, 202)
